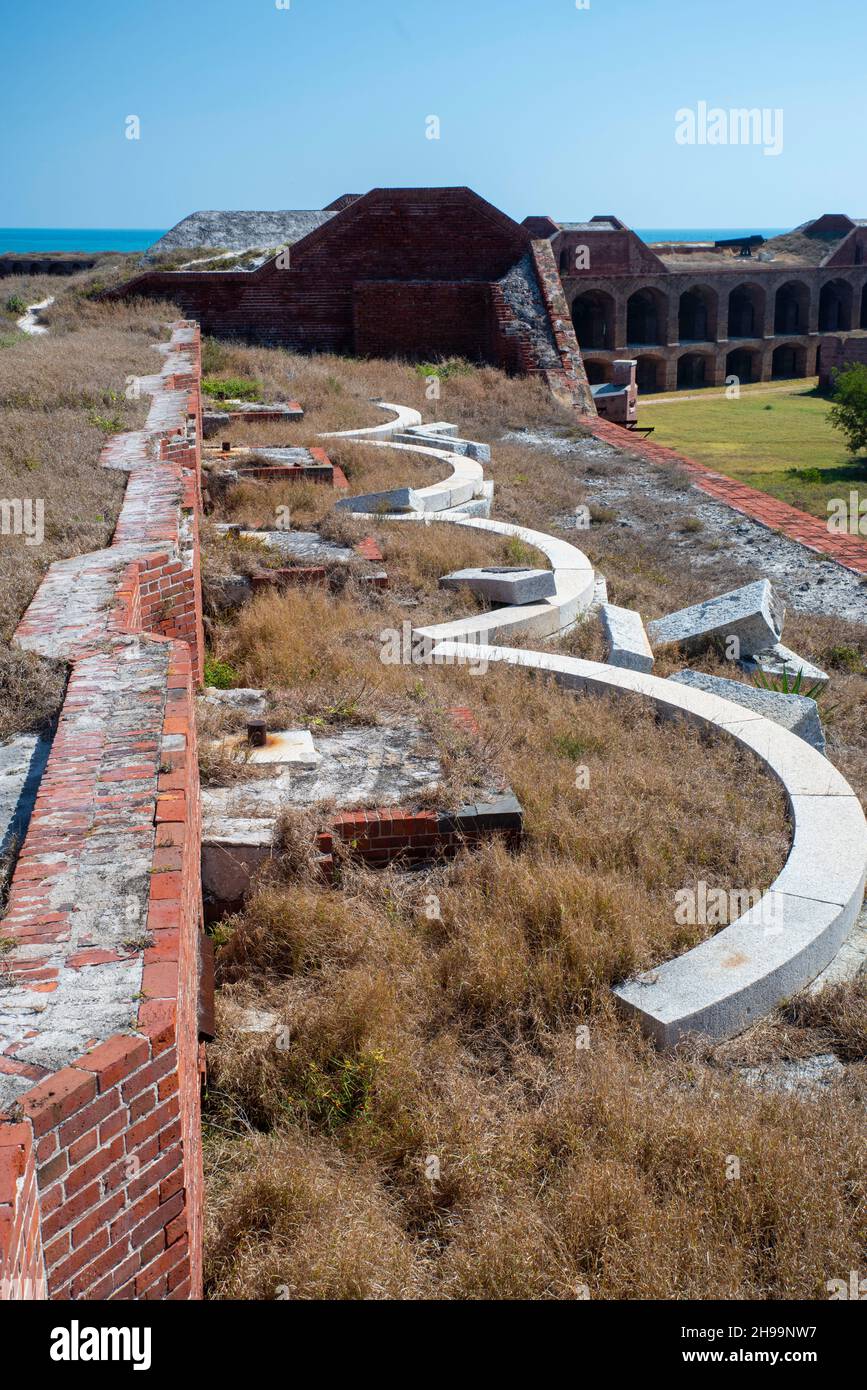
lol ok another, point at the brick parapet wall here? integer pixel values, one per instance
(570, 382)
(100, 1149)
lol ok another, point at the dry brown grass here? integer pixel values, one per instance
(337, 393)
(558, 1168)
(454, 1037)
(21, 289)
(61, 396)
(403, 1036)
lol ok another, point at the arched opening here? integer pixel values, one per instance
(693, 369)
(789, 361)
(696, 320)
(862, 318)
(835, 307)
(598, 371)
(742, 364)
(746, 312)
(792, 308)
(646, 312)
(647, 375)
(593, 319)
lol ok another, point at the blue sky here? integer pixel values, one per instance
(543, 107)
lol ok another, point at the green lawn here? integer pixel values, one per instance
(781, 443)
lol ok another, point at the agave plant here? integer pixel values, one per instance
(789, 683)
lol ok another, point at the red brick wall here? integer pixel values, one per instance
(22, 1271)
(100, 1160)
(415, 234)
(610, 253)
(423, 319)
(837, 353)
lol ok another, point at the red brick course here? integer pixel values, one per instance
(100, 1159)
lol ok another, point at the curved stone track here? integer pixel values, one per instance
(781, 942)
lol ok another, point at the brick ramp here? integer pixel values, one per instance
(100, 1149)
(849, 551)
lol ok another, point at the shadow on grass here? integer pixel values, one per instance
(853, 472)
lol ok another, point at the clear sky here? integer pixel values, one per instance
(543, 107)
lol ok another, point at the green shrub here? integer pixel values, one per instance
(15, 304)
(845, 658)
(220, 674)
(340, 1092)
(109, 424)
(452, 366)
(232, 388)
(848, 412)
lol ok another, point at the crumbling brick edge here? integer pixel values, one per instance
(100, 1161)
(569, 384)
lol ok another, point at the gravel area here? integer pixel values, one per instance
(644, 498)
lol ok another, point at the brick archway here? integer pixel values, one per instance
(598, 370)
(835, 307)
(697, 315)
(789, 360)
(646, 317)
(694, 369)
(593, 319)
(744, 364)
(792, 308)
(746, 311)
(650, 374)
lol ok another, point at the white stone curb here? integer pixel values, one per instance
(770, 952)
(404, 417)
(573, 577)
(465, 483)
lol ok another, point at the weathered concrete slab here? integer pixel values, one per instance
(503, 583)
(250, 701)
(626, 638)
(388, 765)
(753, 614)
(397, 499)
(477, 506)
(798, 713)
(215, 420)
(300, 545)
(779, 660)
(287, 748)
(806, 1076)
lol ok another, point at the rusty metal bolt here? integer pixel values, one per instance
(257, 731)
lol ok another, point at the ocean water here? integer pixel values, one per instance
(27, 239)
(138, 239)
(705, 233)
